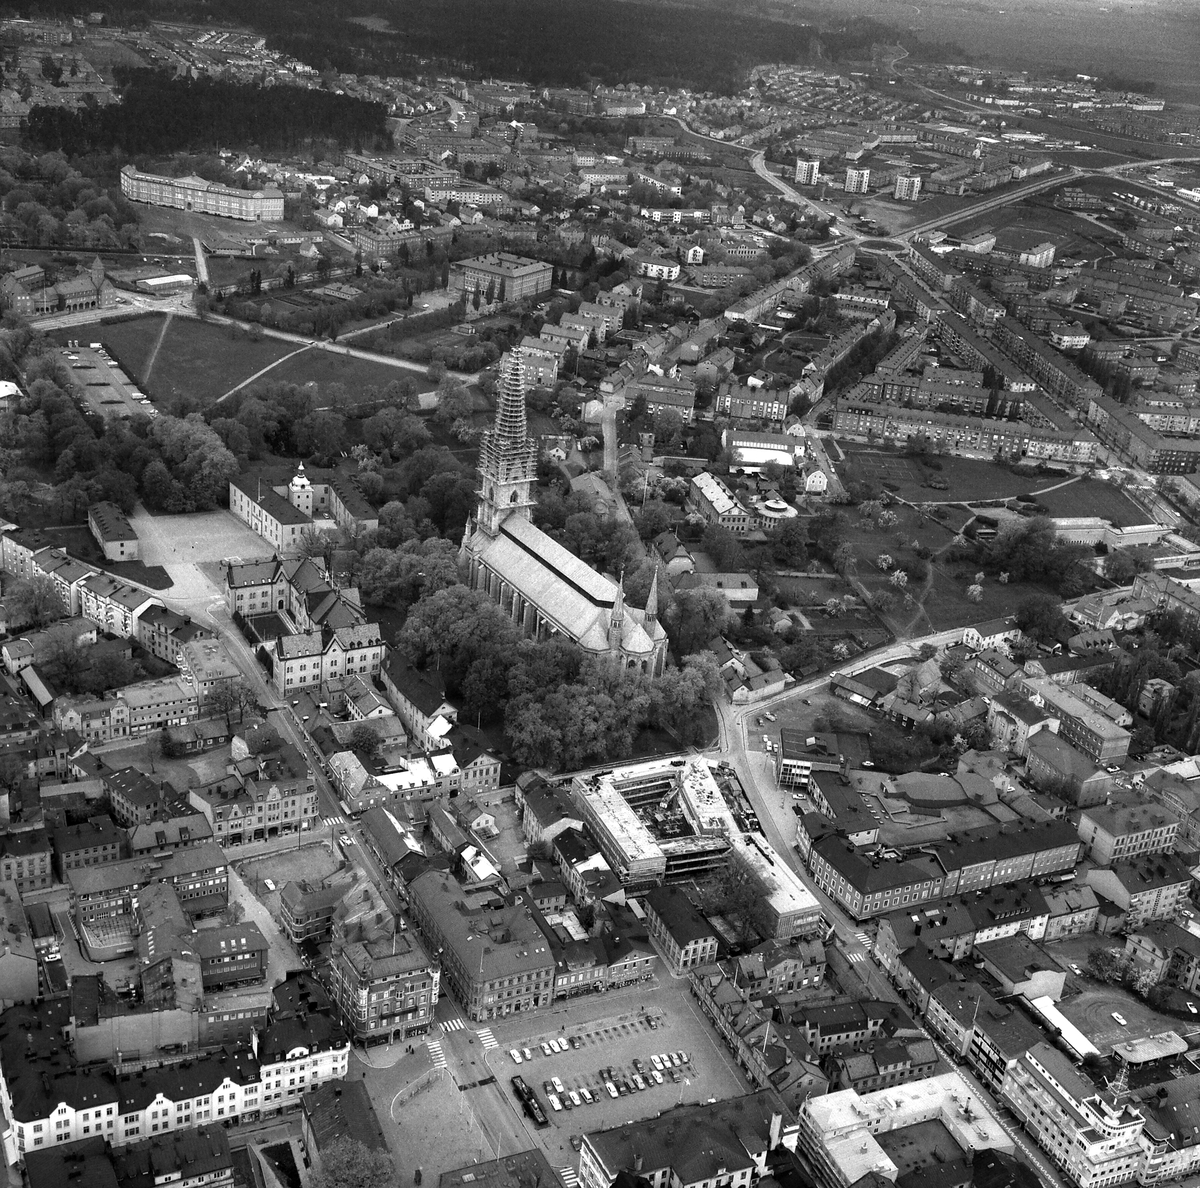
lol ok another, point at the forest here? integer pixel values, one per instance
(159, 113)
(705, 46)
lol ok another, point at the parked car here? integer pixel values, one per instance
(576, 1100)
(656, 1075)
(611, 1089)
(656, 1061)
(555, 1104)
(1119, 1018)
(527, 1053)
(558, 1086)
(547, 1050)
(516, 1056)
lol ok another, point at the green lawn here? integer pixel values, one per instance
(325, 367)
(1091, 497)
(968, 478)
(194, 361)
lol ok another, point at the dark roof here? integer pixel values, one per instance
(679, 915)
(202, 1152)
(95, 831)
(72, 1166)
(260, 492)
(111, 522)
(426, 690)
(343, 1109)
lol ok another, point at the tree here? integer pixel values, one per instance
(454, 403)
(1106, 965)
(975, 593)
(724, 548)
(884, 561)
(1123, 565)
(1040, 617)
(788, 542)
(64, 656)
(346, 1163)
(695, 617)
(365, 738)
(679, 695)
(35, 600)
(1141, 741)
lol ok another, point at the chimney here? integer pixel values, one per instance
(844, 768)
(775, 1133)
(637, 1162)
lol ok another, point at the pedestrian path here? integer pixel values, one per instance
(338, 820)
(569, 1176)
(436, 1053)
(487, 1038)
(864, 939)
(452, 1025)
(854, 958)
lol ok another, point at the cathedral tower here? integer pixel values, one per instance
(508, 456)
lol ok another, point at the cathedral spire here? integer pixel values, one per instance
(652, 600)
(508, 455)
(511, 426)
(618, 610)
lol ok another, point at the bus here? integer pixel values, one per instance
(529, 1102)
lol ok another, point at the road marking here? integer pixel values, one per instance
(864, 939)
(339, 820)
(569, 1177)
(453, 1025)
(435, 1051)
(856, 957)
(487, 1038)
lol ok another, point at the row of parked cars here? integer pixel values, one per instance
(617, 1082)
(549, 1048)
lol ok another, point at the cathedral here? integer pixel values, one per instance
(542, 586)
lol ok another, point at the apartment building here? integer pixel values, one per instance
(1118, 833)
(386, 989)
(1094, 1137)
(310, 658)
(710, 498)
(113, 532)
(1082, 725)
(198, 874)
(195, 193)
(1153, 887)
(255, 804)
(512, 277)
(26, 859)
(113, 605)
(495, 957)
(964, 434)
(683, 936)
(690, 1145)
(97, 841)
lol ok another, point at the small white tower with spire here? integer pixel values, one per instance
(300, 492)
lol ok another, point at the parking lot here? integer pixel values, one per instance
(673, 1025)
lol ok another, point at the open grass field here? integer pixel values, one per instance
(1071, 235)
(942, 602)
(325, 367)
(1090, 497)
(968, 478)
(184, 359)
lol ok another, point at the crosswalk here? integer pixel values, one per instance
(864, 939)
(452, 1025)
(569, 1177)
(436, 1053)
(854, 958)
(338, 820)
(487, 1038)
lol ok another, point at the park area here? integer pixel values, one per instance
(179, 358)
(184, 363)
(908, 476)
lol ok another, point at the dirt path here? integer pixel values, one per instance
(156, 348)
(260, 373)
